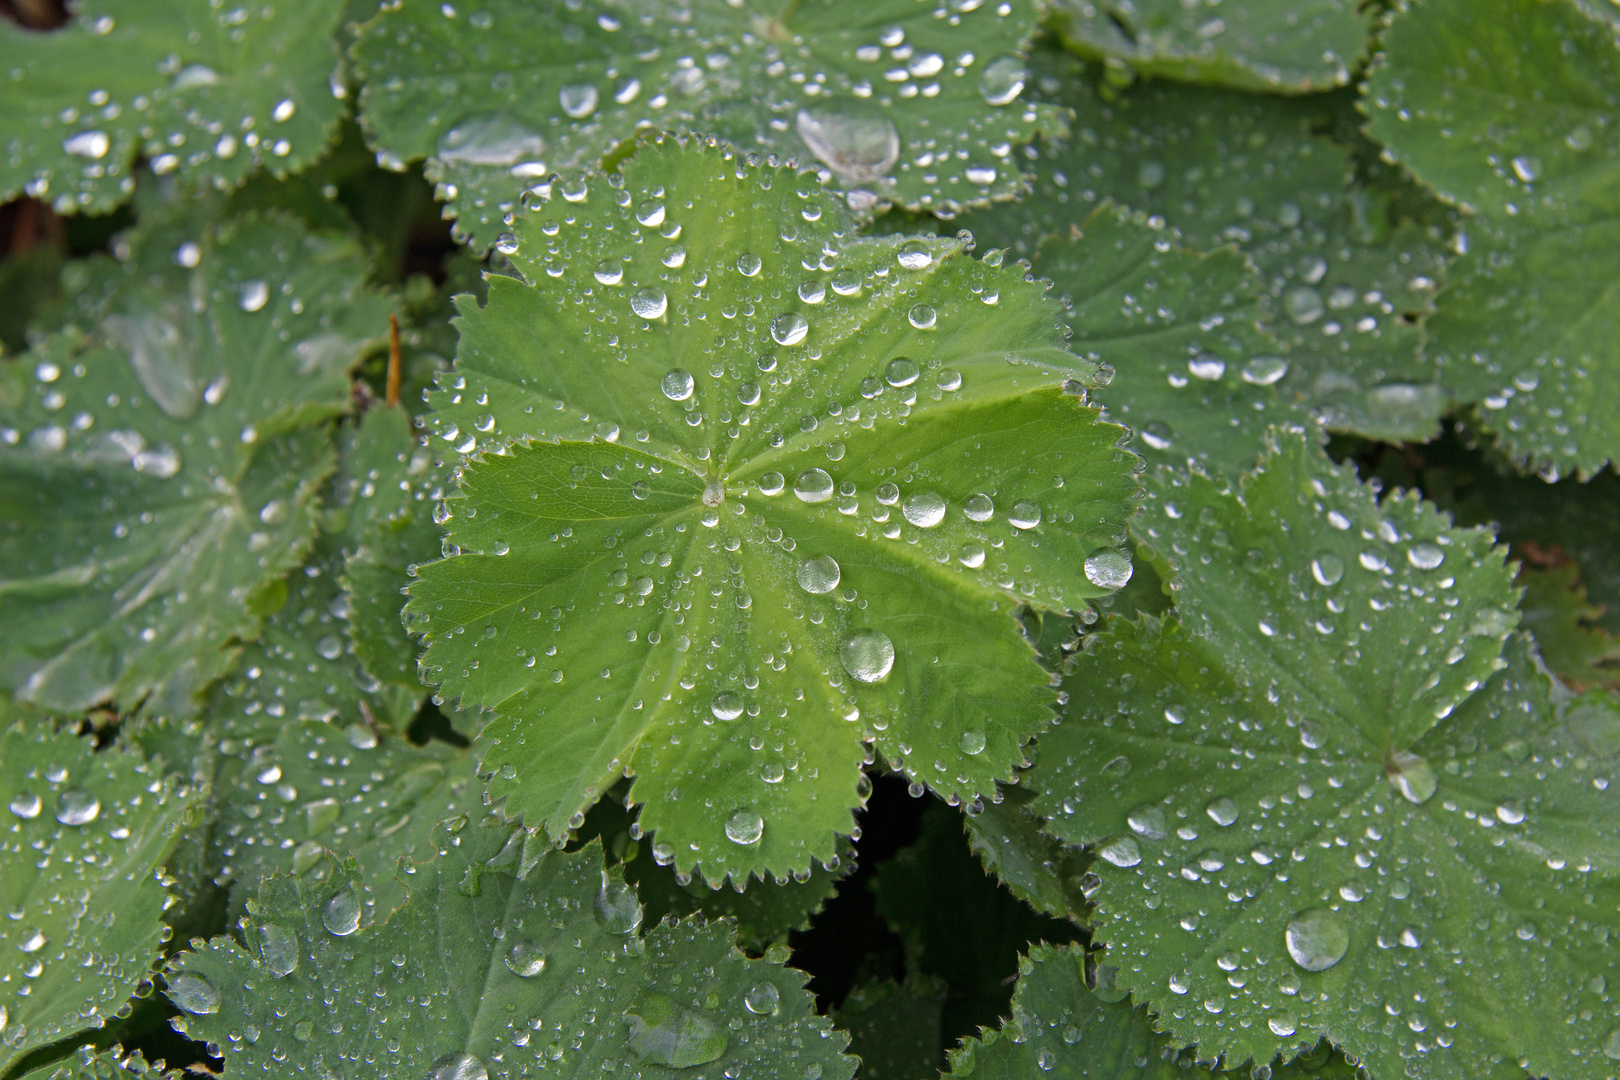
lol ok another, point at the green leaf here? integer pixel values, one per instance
(1285, 46)
(778, 541)
(915, 103)
(82, 845)
(1504, 107)
(1062, 1027)
(205, 92)
(1309, 811)
(157, 474)
(373, 799)
(527, 968)
(1564, 624)
(1348, 278)
(91, 1064)
(894, 1028)
(1046, 875)
(1194, 374)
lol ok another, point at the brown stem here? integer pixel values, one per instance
(393, 360)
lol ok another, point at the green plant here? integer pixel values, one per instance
(789, 540)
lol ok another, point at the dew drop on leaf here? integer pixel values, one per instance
(763, 999)
(1411, 775)
(525, 959)
(491, 139)
(75, 807)
(1121, 851)
(748, 264)
(279, 948)
(814, 486)
(922, 316)
(902, 371)
(1206, 366)
(1327, 568)
(772, 483)
(979, 508)
(254, 295)
(1003, 79)
(608, 272)
(1026, 515)
(1317, 939)
(745, 827)
(618, 911)
(789, 328)
(819, 575)
(1109, 568)
(1425, 556)
(678, 384)
(971, 555)
(855, 139)
(649, 303)
(341, 915)
(26, 805)
(1148, 822)
(193, 993)
(1283, 1024)
(1264, 370)
(1222, 811)
(868, 656)
(914, 255)
(458, 1066)
(925, 509)
(726, 706)
(578, 100)
(664, 1033)
(971, 742)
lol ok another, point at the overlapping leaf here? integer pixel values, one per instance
(1508, 109)
(1048, 876)
(1348, 277)
(495, 966)
(89, 1064)
(202, 90)
(1310, 813)
(1063, 1028)
(157, 468)
(901, 100)
(1278, 45)
(825, 474)
(83, 839)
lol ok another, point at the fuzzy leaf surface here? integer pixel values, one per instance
(83, 839)
(1307, 807)
(158, 470)
(1507, 108)
(1347, 276)
(915, 103)
(767, 553)
(1281, 46)
(528, 969)
(203, 92)
(1061, 1027)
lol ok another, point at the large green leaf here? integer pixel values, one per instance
(1348, 277)
(1506, 107)
(157, 470)
(1313, 819)
(1063, 1028)
(1289, 46)
(894, 1028)
(1195, 377)
(904, 100)
(82, 845)
(495, 966)
(200, 89)
(812, 524)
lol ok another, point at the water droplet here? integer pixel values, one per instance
(772, 483)
(74, 807)
(1121, 851)
(492, 139)
(900, 372)
(525, 959)
(663, 1033)
(855, 139)
(1283, 1024)
(1611, 1044)
(789, 328)
(979, 508)
(609, 272)
(1411, 776)
(1026, 515)
(1425, 556)
(1327, 569)
(914, 255)
(726, 706)
(763, 999)
(1509, 814)
(193, 993)
(748, 264)
(279, 948)
(1148, 822)
(1003, 79)
(649, 303)
(1046, 1060)
(1222, 811)
(971, 555)
(924, 509)
(578, 100)
(1264, 370)
(1157, 434)
(819, 575)
(971, 742)
(341, 915)
(650, 212)
(745, 827)
(1206, 366)
(33, 943)
(617, 908)
(458, 1067)
(26, 805)
(948, 379)
(640, 489)
(1109, 568)
(922, 316)
(1317, 939)
(1527, 169)
(87, 144)
(254, 295)
(868, 656)
(678, 385)
(1303, 304)
(814, 486)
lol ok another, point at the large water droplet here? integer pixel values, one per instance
(1317, 939)
(1003, 79)
(1264, 370)
(279, 948)
(1327, 568)
(971, 743)
(1025, 515)
(1283, 1024)
(1148, 821)
(1121, 851)
(162, 360)
(253, 296)
(74, 807)
(87, 144)
(726, 706)
(617, 908)
(868, 656)
(341, 915)
(814, 486)
(924, 509)
(979, 508)
(608, 272)
(1425, 556)
(789, 328)
(914, 255)
(1611, 1044)
(819, 575)
(902, 371)
(748, 264)
(458, 1067)
(1303, 304)
(649, 303)
(678, 385)
(855, 139)
(578, 100)
(492, 139)
(663, 1033)
(1222, 811)
(745, 827)
(1411, 776)
(1109, 568)
(525, 959)
(762, 999)
(922, 316)
(194, 994)
(26, 805)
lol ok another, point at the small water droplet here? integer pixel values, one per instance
(1148, 822)
(900, 372)
(650, 212)
(1283, 1024)
(914, 255)
(609, 272)
(748, 264)
(726, 706)
(1425, 556)
(868, 656)
(1303, 304)
(763, 999)
(525, 960)
(979, 508)
(678, 385)
(649, 303)
(1317, 939)
(1264, 370)
(1206, 366)
(492, 139)
(26, 805)
(254, 295)
(458, 1067)
(1411, 776)
(1222, 811)
(1121, 851)
(922, 316)
(772, 483)
(948, 379)
(578, 100)
(971, 742)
